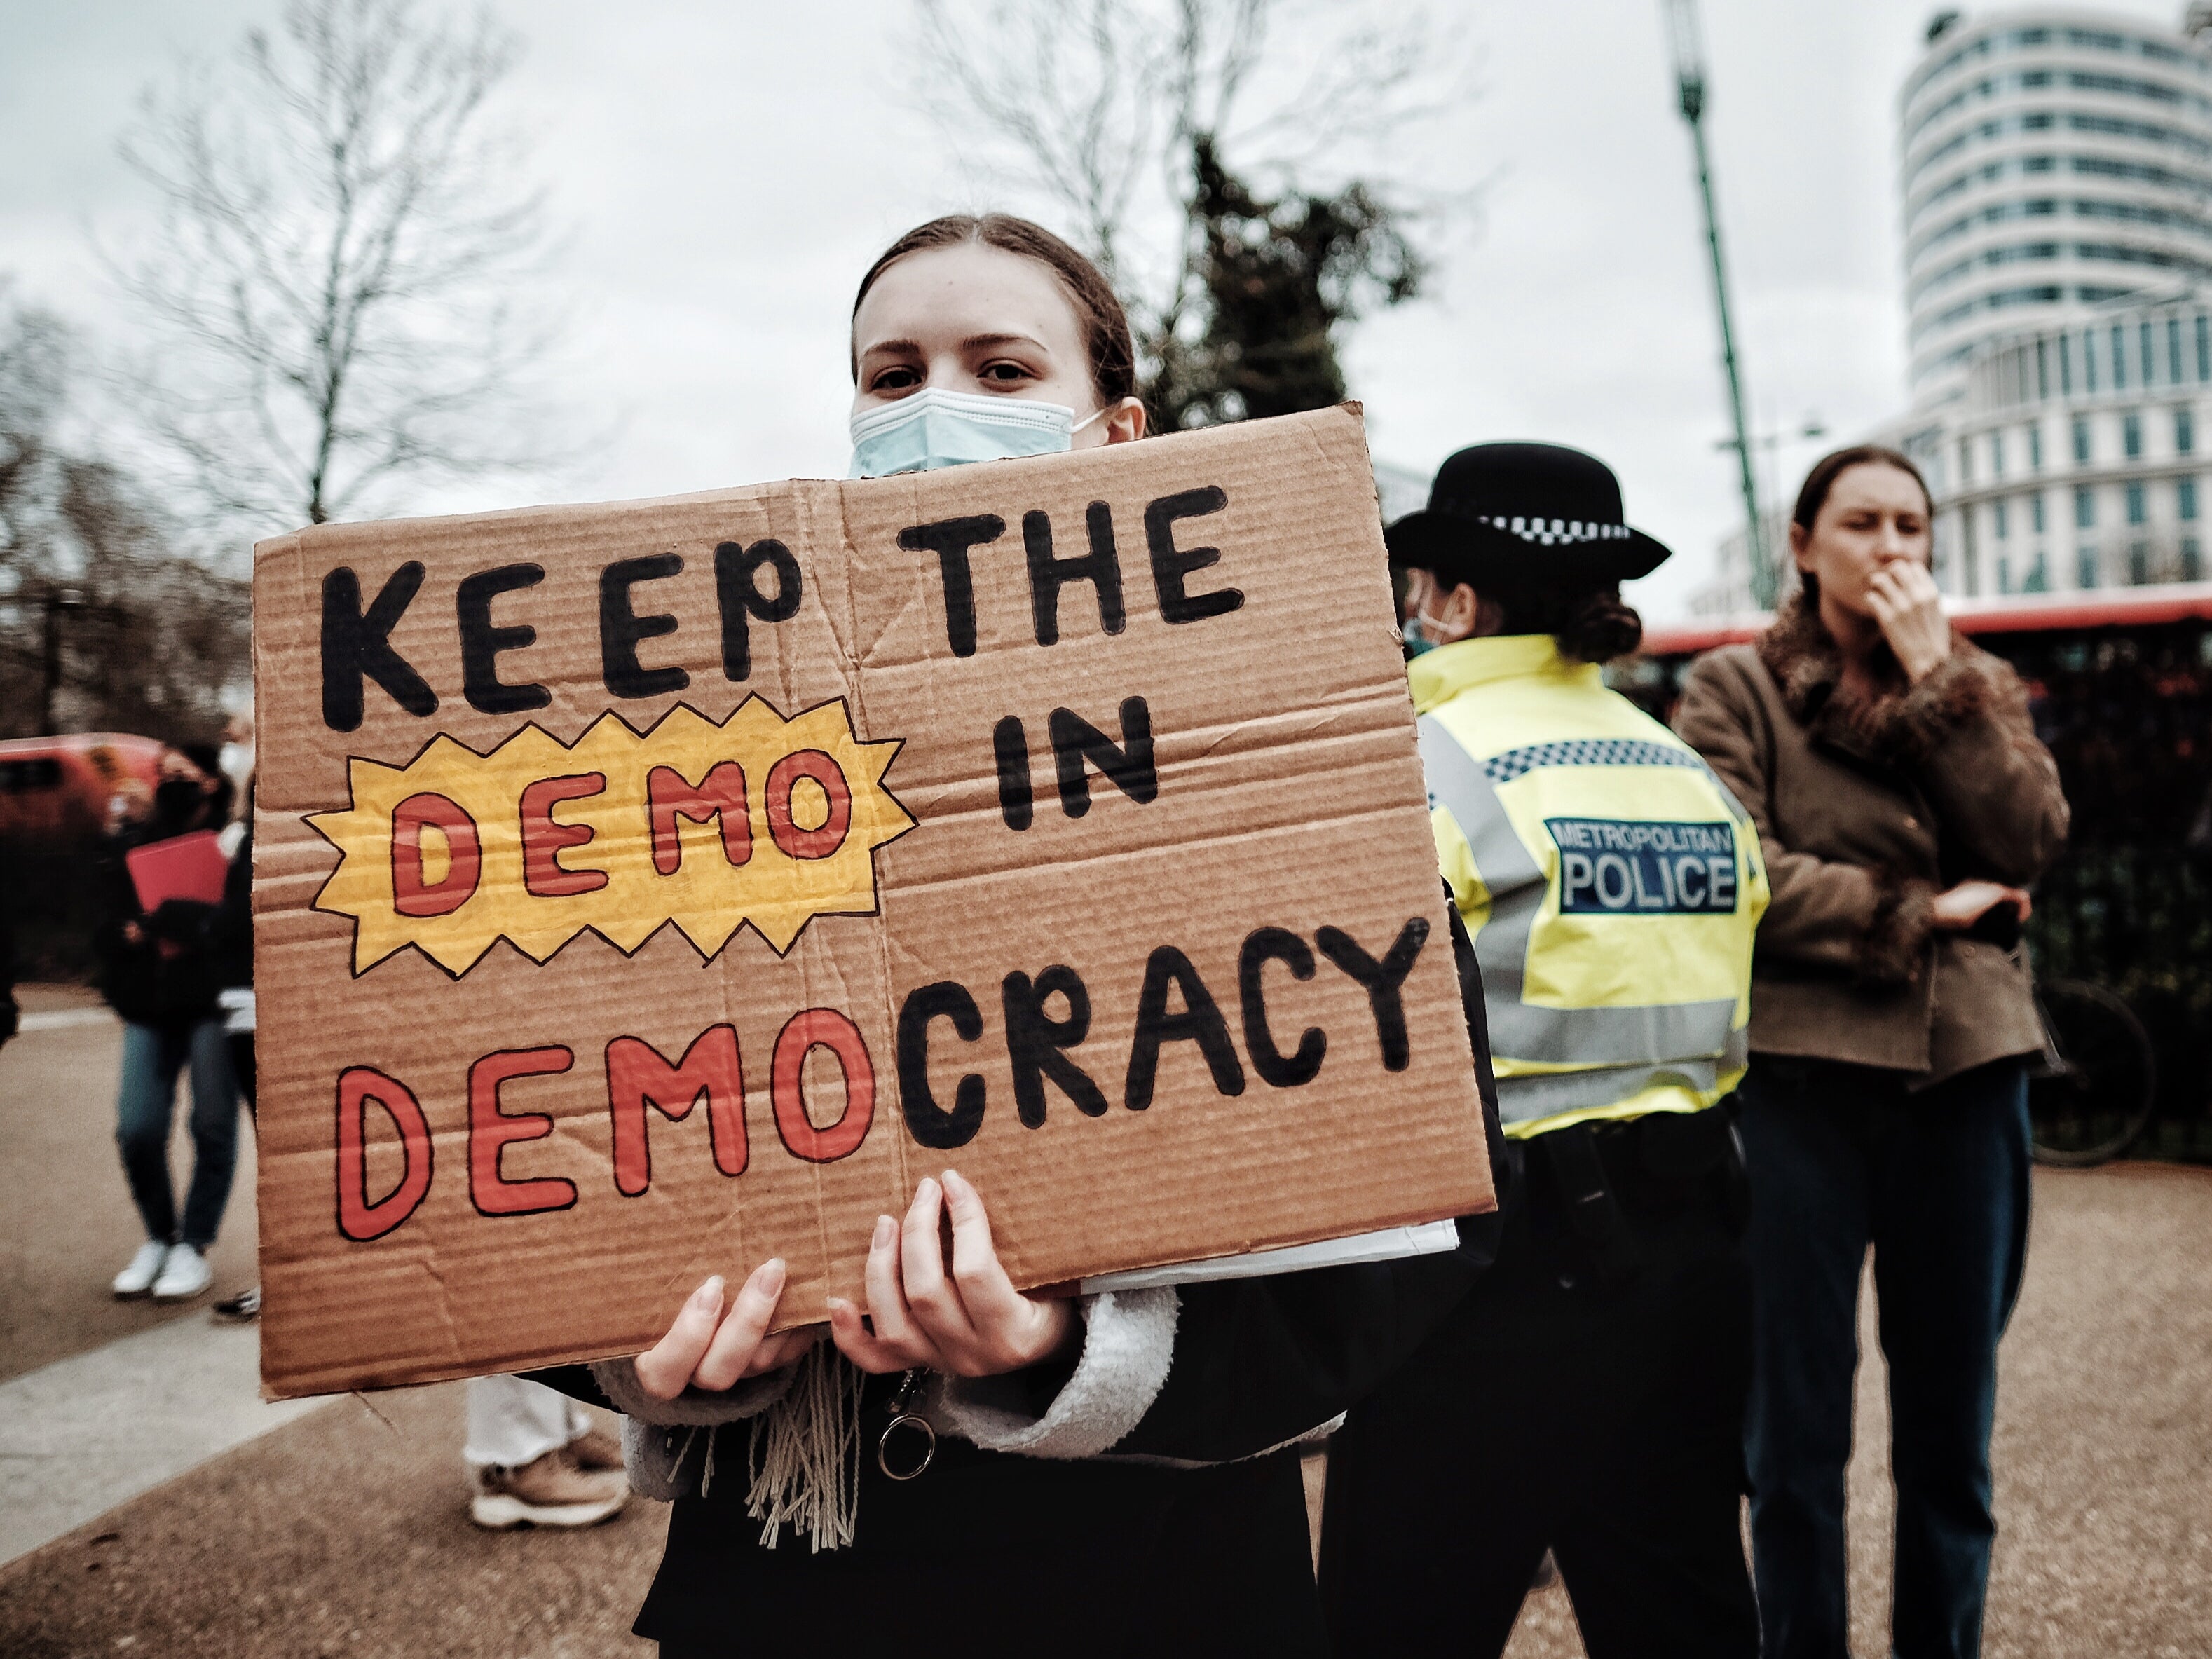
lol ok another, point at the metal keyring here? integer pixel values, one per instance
(884, 1443)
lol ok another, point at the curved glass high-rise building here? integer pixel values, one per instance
(2053, 160)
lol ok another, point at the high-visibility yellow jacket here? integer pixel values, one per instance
(1611, 884)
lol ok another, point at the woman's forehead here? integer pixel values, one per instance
(1876, 484)
(947, 295)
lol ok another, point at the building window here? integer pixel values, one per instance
(2085, 568)
(2132, 435)
(2066, 365)
(2185, 500)
(2043, 363)
(2149, 357)
(2173, 349)
(2004, 572)
(2004, 521)
(2088, 360)
(1997, 454)
(2085, 509)
(2035, 446)
(1965, 461)
(2135, 514)
(2038, 576)
(2184, 432)
(2119, 358)
(2204, 347)
(2082, 439)
(2192, 559)
(2035, 512)
(2139, 562)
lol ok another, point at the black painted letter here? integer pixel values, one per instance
(481, 642)
(1201, 1022)
(1128, 766)
(1382, 979)
(1011, 745)
(949, 540)
(1034, 1041)
(1170, 564)
(621, 627)
(1048, 575)
(356, 645)
(1263, 946)
(926, 1120)
(736, 591)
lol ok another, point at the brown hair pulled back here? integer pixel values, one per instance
(1105, 325)
(1591, 624)
(1813, 493)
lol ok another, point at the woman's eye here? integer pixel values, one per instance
(1005, 371)
(898, 378)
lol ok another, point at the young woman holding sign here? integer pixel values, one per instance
(1108, 1470)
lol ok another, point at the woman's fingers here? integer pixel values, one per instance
(930, 1292)
(898, 1336)
(742, 1328)
(776, 1352)
(854, 1340)
(664, 1368)
(988, 1298)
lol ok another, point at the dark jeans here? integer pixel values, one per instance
(1552, 1411)
(153, 1055)
(1841, 1157)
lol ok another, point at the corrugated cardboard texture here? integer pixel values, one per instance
(1285, 794)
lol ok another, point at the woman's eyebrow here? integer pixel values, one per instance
(973, 342)
(912, 347)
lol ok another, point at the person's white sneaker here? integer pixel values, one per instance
(145, 1267)
(185, 1274)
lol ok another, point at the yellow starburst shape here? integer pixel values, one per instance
(759, 820)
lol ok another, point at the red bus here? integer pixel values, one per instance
(2121, 686)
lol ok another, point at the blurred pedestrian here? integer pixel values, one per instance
(536, 1460)
(155, 973)
(1905, 804)
(1586, 1396)
(230, 952)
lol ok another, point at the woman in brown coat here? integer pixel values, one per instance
(1905, 804)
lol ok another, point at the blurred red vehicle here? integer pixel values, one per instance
(55, 792)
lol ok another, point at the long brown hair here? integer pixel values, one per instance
(1105, 324)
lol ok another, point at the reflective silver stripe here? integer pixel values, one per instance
(1610, 1037)
(1524, 1099)
(1517, 884)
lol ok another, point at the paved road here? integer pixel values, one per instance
(341, 1530)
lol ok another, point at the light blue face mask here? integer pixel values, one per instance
(932, 429)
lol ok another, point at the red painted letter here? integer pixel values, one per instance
(827, 837)
(360, 1218)
(491, 1131)
(720, 796)
(821, 1028)
(542, 839)
(410, 895)
(638, 1077)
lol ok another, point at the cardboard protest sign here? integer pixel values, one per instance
(644, 889)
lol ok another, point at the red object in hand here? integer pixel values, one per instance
(184, 867)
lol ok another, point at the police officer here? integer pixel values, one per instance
(1586, 1396)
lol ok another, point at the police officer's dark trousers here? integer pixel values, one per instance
(1598, 1414)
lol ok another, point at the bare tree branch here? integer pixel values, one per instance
(334, 277)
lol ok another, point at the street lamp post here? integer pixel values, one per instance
(1690, 82)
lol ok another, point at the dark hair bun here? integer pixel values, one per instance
(1600, 627)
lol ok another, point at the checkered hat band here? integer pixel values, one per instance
(1553, 532)
(1586, 751)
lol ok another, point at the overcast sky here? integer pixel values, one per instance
(729, 171)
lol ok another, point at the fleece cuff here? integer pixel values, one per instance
(1947, 697)
(694, 1407)
(1128, 1344)
(1895, 947)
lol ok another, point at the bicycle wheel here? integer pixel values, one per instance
(2093, 1091)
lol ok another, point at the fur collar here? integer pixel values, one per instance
(1901, 722)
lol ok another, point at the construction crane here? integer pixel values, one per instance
(1690, 84)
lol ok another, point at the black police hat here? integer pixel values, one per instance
(1522, 515)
